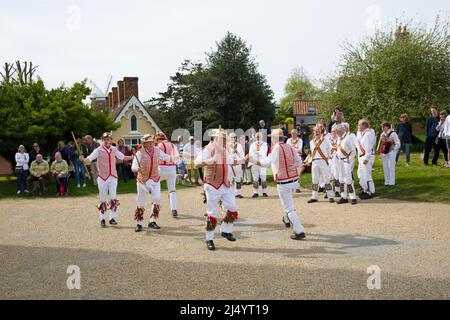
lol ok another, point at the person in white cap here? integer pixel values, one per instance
(168, 169)
(236, 173)
(320, 157)
(106, 156)
(285, 162)
(215, 158)
(297, 143)
(145, 164)
(366, 158)
(258, 151)
(346, 158)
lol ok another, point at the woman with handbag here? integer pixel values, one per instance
(22, 169)
(441, 140)
(388, 147)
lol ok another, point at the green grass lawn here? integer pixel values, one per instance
(414, 183)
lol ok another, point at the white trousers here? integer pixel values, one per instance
(389, 168)
(259, 173)
(169, 174)
(105, 188)
(213, 197)
(321, 174)
(365, 175)
(285, 192)
(143, 190)
(236, 175)
(345, 169)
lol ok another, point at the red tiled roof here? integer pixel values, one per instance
(305, 107)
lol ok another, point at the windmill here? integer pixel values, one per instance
(98, 96)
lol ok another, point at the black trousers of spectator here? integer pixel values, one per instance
(200, 173)
(430, 143)
(36, 183)
(61, 181)
(122, 170)
(442, 145)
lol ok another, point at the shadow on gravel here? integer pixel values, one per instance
(40, 273)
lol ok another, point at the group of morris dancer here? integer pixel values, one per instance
(222, 161)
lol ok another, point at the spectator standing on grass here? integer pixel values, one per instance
(22, 168)
(122, 165)
(404, 132)
(336, 118)
(447, 138)
(304, 132)
(442, 139)
(78, 166)
(60, 170)
(90, 146)
(38, 171)
(35, 151)
(432, 133)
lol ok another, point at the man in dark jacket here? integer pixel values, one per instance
(35, 151)
(404, 132)
(432, 133)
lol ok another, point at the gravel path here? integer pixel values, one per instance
(39, 239)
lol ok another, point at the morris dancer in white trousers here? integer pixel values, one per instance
(388, 146)
(334, 140)
(145, 164)
(295, 142)
(168, 170)
(346, 155)
(285, 162)
(320, 155)
(236, 174)
(215, 159)
(106, 156)
(366, 159)
(258, 150)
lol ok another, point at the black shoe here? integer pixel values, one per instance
(364, 196)
(300, 236)
(228, 236)
(255, 195)
(326, 196)
(337, 195)
(342, 201)
(210, 245)
(287, 224)
(298, 191)
(265, 195)
(138, 228)
(321, 190)
(103, 224)
(354, 201)
(312, 201)
(113, 222)
(154, 225)
(331, 200)
(239, 196)
(174, 213)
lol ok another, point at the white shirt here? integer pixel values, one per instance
(255, 154)
(348, 144)
(273, 159)
(22, 160)
(298, 146)
(239, 154)
(394, 138)
(207, 154)
(190, 152)
(444, 130)
(366, 141)
(94, 155)
(325, 147)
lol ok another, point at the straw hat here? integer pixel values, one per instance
(148, 138)
(218, 133)
(160, 136)
(106, 135)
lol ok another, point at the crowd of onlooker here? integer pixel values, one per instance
(35, 168)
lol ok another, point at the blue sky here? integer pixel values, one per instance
(72, 40)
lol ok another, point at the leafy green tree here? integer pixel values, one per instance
(228, 90)
(393, 72)
(30, 113)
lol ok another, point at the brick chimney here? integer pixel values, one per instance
(121, 92)
(110, 101)
(130, 87)
(115, 98)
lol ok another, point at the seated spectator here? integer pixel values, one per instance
(404, 132)
(60, 170)
(35, 151)
(38, 171)
(22, 169)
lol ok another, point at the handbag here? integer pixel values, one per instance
(18, 170)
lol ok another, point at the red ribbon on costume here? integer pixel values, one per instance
(156, 209)
(103, 207)
(139, 214)
(230, 217)
(211, 223)
(114, 204)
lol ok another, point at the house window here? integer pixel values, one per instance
(312, 109)
(133, 121)
(132, 143)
